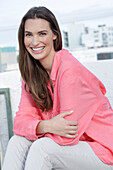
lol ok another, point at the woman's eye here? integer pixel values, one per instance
(42, 33)
(27, 34)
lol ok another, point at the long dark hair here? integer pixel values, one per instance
(33, 73)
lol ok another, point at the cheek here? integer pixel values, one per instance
(27, 42)
(45, 40)
(48, 40)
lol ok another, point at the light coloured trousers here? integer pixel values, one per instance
(45, 154)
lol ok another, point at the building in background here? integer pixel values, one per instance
(88, 44)
(102, 36)
(71, 35)
(65, 38)
(8, 58)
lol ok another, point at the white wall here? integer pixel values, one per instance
(12, 80)
(74, 34)
(102, 69)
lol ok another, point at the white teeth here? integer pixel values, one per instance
(38, 49)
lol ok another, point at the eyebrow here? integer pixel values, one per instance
(43, 31)
(27, 32)
(38, 32)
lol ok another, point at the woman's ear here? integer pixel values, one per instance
(54, 36)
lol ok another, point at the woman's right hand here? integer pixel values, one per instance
(60, 126)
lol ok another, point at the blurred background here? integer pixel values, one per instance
(87, 32)
(85, 25)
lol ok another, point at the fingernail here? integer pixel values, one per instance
(71, 111)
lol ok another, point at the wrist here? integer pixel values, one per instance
(43, 127)
(47, 126)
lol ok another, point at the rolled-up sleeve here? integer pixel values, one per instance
(27, 116)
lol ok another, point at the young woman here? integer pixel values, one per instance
(64, 121)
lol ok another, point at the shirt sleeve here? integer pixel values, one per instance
(76, 93)
(27, 116)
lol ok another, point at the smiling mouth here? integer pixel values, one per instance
(37, 49)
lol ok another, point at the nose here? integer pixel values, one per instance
(35, 41)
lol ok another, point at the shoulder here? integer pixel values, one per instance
(69, 62)
(72, 67)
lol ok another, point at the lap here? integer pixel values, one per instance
(21, 151)
(74, 157)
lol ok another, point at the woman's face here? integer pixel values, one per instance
(38, 40)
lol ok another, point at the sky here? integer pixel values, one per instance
(11, 12)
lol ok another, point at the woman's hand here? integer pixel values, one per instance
(60, 126)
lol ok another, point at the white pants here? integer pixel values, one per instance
(45, 154)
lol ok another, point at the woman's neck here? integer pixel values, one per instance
(48, 62)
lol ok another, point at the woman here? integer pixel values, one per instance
(64, 120)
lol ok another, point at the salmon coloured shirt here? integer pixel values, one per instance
(77, 89)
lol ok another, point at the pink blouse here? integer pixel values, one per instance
(77, 89)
